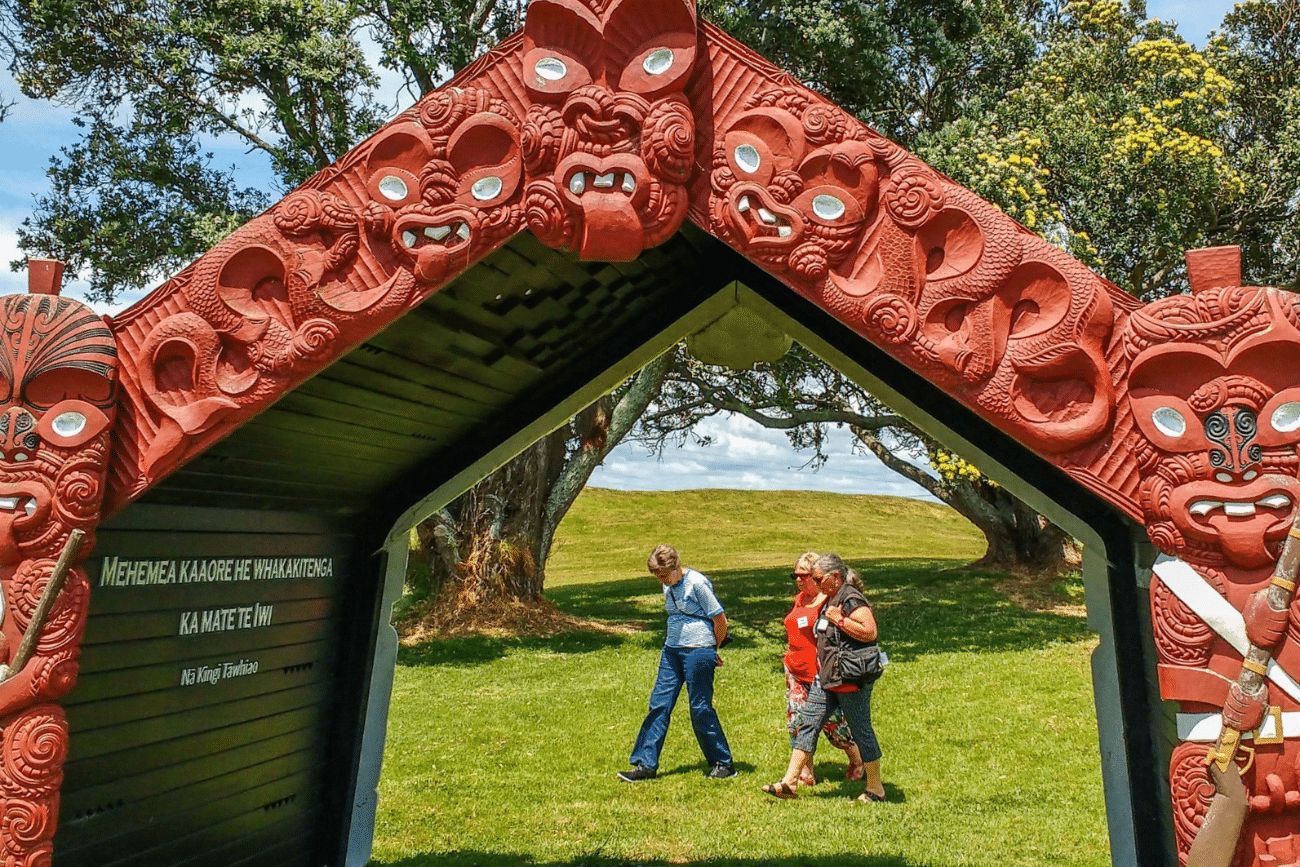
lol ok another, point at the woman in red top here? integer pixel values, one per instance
(801, 668)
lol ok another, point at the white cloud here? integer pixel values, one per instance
(747, 456)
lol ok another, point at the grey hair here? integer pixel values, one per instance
(828, 563)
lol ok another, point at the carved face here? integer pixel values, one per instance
(1213, 394)
(58, 371)
(610, 138)
(789, 190)
(452, 181)
(1028, 339)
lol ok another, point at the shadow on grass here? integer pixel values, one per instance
(922, 606)
(478, 649)
(470, 858)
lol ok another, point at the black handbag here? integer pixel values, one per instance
(859, 665)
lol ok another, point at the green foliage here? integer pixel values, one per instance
(1123, 145)
(154, 82)
(901, 65)
(503, 751)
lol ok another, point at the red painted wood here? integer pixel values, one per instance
(601, 128)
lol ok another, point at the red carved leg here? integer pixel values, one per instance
(33, 745)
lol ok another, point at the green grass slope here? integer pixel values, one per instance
(503, 751)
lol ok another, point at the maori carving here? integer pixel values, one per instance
(58, 392)
(333, 262)
(600, 128)
(610, 138)
(906, 257)
(1214, 400)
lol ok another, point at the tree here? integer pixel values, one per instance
(803, 396)
(486, 551)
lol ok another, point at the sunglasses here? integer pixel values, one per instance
(795, 576)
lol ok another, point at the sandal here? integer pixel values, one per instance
(807, 780)
(870, 798)
(781, 789)
(856, 771)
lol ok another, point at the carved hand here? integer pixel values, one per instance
(1264, 625)
(1244, 712)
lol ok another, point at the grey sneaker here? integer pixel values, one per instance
(722, 771)
(638, 772)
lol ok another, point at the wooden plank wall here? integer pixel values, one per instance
(201, 720)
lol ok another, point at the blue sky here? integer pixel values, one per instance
(744, 454)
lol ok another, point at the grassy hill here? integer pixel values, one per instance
(608, 534)
(503, 751)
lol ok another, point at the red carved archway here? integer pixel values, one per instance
(602, 129)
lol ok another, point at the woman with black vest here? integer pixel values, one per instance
(847, 622)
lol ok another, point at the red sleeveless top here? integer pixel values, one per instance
(801, 655)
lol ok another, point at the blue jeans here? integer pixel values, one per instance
(694, 667)
(857, 711)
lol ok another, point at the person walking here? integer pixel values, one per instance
(800, 663)
(697, 627)
(847, 615)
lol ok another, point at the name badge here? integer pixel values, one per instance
(802, 622)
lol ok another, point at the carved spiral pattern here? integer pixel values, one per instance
(546, 216)
(314, 338)
(63, 627)
(26, 822)
(300, 213)
(442, 112)
(1192, 790)
(438, 182)
(79, 488)
(893, 318)
(808, 260)
(824, 124)
(540, 138)
(1181, 637)
(668, 139)
(911, 198)
(785, 186)
(35, 745)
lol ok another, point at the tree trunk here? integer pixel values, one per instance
(1017, 538)
(486, 550)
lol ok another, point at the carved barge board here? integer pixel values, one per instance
(567, 203)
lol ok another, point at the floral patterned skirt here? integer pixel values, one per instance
(796, 694)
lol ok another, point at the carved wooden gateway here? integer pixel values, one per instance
(567, 207)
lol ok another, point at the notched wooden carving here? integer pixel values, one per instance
(58, 394)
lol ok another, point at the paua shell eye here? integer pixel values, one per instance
(551, 68)
(1169, 421)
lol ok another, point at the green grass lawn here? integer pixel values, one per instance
(503, 751)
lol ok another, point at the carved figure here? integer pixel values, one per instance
(610, 138)
(58, 370)
(796, 183)
(333, 262)
(1213, 395)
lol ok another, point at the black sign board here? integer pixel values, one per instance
(202, 721)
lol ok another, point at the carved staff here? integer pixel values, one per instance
(1216, 841)
(42, 613)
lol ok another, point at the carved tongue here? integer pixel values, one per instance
(8, 544)
(1242, 539)
(611, 229)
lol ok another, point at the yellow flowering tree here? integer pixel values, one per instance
(1116, 147)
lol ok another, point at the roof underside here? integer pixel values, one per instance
(426, 396)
